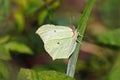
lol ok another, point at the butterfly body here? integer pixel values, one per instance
(59, 41)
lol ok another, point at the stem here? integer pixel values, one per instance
(81, 29)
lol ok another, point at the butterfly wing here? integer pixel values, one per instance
(59, 41)
(60, 48)
(50, 32)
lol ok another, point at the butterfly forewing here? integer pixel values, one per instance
(51, 32)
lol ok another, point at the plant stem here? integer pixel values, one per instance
(81, 29)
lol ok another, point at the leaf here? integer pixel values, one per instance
(42, 16)
(110, 38)
(48, 1)
(53, 75)
(57, 65)
(22, 3)
(4, 39)
(18, 47)
(4, 53)
(54, 5)
(115, 72)
(4, 72)
(27, 74)
(110, 14)
(19, 18)
(33, 6)
(4, 9)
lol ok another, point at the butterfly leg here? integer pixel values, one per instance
(78, 41)
(80, 35)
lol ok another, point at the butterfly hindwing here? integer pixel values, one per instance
(61, 48)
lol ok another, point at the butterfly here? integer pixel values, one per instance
(59, 41)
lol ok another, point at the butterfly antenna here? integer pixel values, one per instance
(72, 18)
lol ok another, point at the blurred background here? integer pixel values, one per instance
(99, 57)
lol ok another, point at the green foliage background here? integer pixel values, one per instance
(20, 47)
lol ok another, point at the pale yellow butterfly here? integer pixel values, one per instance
(59, 41)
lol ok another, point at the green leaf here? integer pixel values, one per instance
(27, 74)
(4, 72)
(42, 16)
(110, 14)
(115, 72)
(22, 3)
(33, 6)
(110, 38)
(48, 1)
(4, 39)
(18, 47)
(57, 65)
(4, 53)
(54, 5)
(19, 18)
(4, 9)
